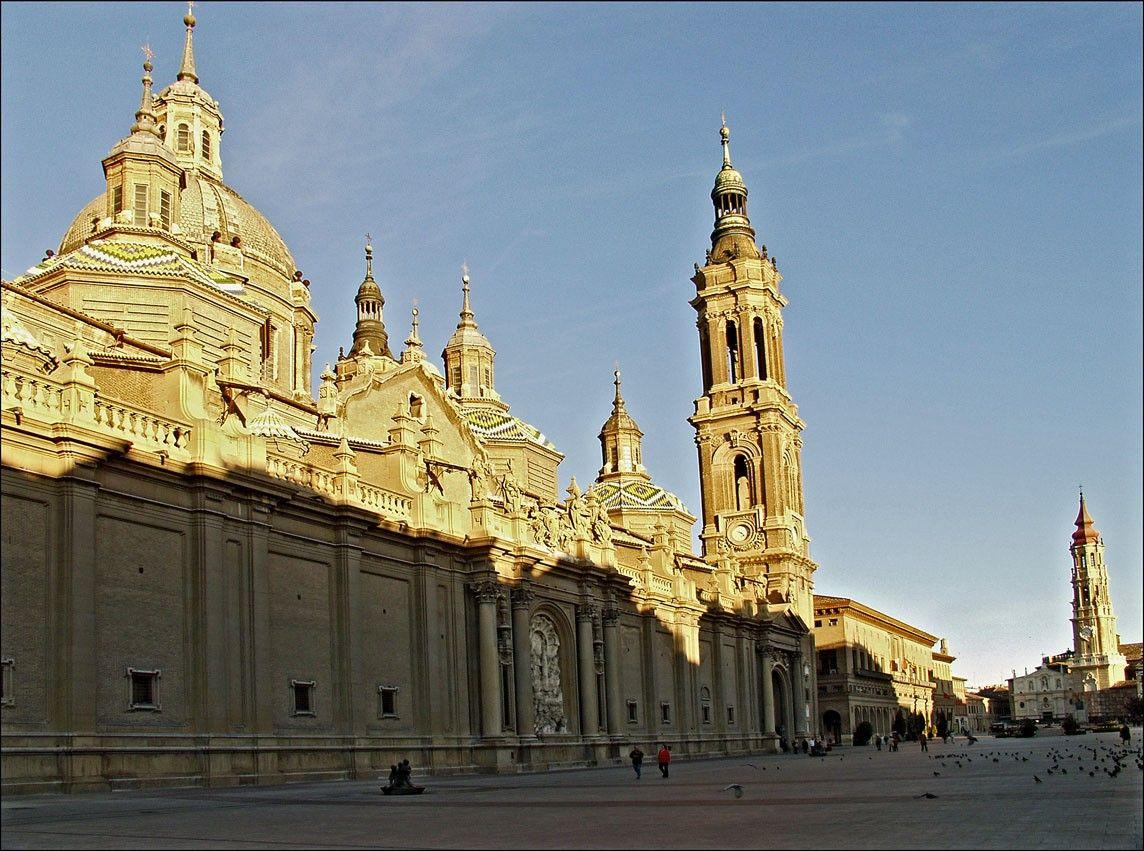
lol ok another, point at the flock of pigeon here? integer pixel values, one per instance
(1081, 758)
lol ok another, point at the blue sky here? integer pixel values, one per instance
(952, 193)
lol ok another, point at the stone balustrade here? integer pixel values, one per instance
(35, 395)
(140, 426)
(390, 505)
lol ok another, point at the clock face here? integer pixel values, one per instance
(740, 533)
(1085, 632)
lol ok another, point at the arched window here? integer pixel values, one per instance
(705, 358)
(744, 498)
(206, 145)
(415, 409)
(183, 139)
(760, 349)
(732, 353)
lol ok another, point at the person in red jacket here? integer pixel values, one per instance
(664, 759)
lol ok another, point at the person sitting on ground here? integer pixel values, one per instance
(394, 774)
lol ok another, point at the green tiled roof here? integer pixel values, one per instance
(494, 424)
(130, 258)
(638, 494)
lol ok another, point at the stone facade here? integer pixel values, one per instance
(212, 577)
(876, 668)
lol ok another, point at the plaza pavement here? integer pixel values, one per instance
(853, 798)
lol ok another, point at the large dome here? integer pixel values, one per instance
(207, 206)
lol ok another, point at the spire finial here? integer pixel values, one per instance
(619, 401)
(413, 350)
(466, 308)
(725, 136)
(187, 69)
(368, 257)
(145, 115)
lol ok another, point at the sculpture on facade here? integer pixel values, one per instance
(547, 692)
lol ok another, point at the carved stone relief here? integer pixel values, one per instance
(547, 691)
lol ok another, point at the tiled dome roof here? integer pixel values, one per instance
(206, 206)
(636, 494)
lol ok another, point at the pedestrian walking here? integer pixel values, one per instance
(878, 742)
(636, 757)
(1125, 734)
(664, 759)
(924, 739)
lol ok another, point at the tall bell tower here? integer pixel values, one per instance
(747, 428)
(1097, 660)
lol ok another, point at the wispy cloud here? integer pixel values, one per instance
(892, 134)
(1075, 136)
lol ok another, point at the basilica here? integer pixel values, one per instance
(215, 573)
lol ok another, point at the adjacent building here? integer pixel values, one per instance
(873, 667)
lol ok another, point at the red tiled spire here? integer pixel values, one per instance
(1085, 530)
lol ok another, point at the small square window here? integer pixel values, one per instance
(7, 686)
(633, 712)
(387, 701)
(818, 623)
(303, 692)
(665, 713)
(730, 714)
(144, 690)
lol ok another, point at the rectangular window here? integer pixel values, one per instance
(665, 713)
(818, 623)
(116, 200)
(303, 694)
(140, 208)
(144, 690)
(706, 710)
(387, 701)
(165, 209)
(633, 712)
(730, 714)
(7, 692)
(473, 378)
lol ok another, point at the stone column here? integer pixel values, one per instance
(611, 617)
(522, 662)
(798, 691)
(491, 718)
(589, 706)
(768, 696)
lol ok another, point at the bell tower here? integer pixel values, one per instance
(747, 428)
(1097, 660)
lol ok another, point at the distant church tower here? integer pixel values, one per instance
(746, 426)
(1097, 660)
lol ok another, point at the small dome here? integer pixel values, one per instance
(729, 180)
(468, 336)
(369, 289)
(206, 206)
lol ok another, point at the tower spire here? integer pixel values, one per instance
(369, 333)
(414, 353)
(725, 135)
(618, 403)
(733, 235)
(1085, 527)
(145, 115)
(187, 69)
(468, 319)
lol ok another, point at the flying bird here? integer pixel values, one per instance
(929, 795)
(1038, 779)
(736, 788)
